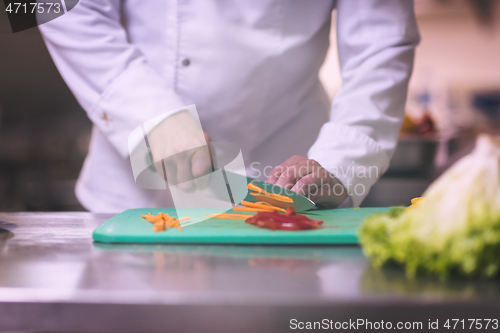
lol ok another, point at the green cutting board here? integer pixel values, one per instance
(129, 227)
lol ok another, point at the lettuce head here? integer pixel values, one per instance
(455, 228)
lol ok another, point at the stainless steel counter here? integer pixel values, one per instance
(54, 278)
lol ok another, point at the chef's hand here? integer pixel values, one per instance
(309, 178)
(182, 145)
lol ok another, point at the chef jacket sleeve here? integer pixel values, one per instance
(376, 42)
(108, 75)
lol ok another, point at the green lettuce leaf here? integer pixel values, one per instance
(455, 229)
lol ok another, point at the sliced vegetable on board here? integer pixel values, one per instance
(269, 216)
(289, 221)
(229, 216)
(261, 206)
(162, 222)
(255, 190)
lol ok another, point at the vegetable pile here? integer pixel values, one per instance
(453, 229)
(269, 216)
(259, 206)
(162, 222)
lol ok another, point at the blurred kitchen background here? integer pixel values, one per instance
(44, 133)
(455, 82)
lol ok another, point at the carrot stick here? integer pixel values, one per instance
(169, 221)
(151, 218)
(258, 191)
(159, 226)
(229, 216)
(255, 188)
(173, 222)
(250, 209)
(278, 197)
(264, 203)
(254, 205)
(164, 221)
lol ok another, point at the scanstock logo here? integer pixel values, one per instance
(28, 14)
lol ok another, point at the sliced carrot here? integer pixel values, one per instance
(173, 222)
(250, 209)
(229, 216)
(164, 221)
(280, 197)
(253, 187)
(169, 221)
(255, 205)
(258, 191)
(151, 218)
(416, 200)
(159, 226)
(263, 203)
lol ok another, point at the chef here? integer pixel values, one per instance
(251, 68)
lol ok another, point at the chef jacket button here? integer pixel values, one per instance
(186, 62)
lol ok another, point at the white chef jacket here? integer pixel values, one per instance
(251, 68)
